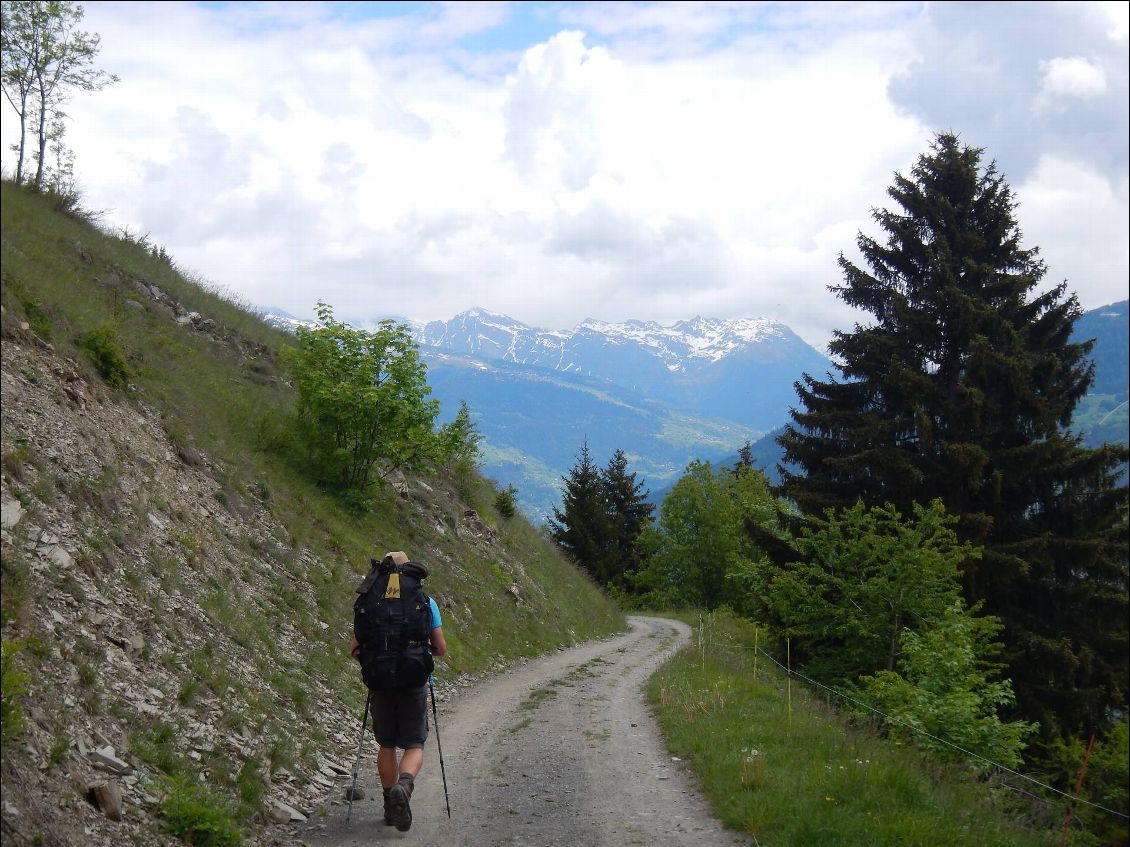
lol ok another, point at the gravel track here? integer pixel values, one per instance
(562, 752)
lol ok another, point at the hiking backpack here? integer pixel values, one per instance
(392, 621)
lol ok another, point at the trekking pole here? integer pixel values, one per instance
(357, 761)
(442, 771)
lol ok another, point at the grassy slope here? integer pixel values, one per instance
(229, 404)
(224, 396)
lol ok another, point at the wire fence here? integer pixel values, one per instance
(916, 730)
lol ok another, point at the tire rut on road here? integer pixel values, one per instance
(562, 751)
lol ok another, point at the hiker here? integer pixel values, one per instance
(395, 636)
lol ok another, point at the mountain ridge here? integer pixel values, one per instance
(677, 345)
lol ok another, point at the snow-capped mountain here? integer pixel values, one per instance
(282, 319)
(698, 338)
(738, 370)
(680, 348)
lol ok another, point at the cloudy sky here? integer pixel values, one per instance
(557, 161)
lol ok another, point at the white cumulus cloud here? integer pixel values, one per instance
(1064, 78)
(609, 160)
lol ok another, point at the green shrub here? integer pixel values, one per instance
(1106, 782)
(190, 689)
(15, 463)
(279, 755)
(867, 574)
(14, 586)
(37, 318)
(59, 749)
(943, 692)
(252, 787)
(156, 745)
(198, 816)
(363, 402)
(102, 346)
(505, 503)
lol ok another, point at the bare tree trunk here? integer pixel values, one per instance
(23, 142)
(42, 133)
(894, 646)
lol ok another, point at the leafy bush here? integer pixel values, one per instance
(942, 691)
(362, 401)
(699, 551)
(105, 352)
(198, 816)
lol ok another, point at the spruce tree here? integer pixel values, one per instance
(962, 387)
(629, 514)
(581, 525)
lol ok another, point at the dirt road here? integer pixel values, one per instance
(561, 752)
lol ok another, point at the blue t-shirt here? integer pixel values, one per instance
(437, 621)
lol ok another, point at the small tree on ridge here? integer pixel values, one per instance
(45, 58)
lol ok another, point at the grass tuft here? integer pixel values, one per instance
(13, 686)
(198, 816)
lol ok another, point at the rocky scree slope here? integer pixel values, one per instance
(130, 559)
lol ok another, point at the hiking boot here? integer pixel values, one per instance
(398, 797)
(388, 807)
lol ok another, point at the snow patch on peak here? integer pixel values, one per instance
(491, 319)
(699, 337)
(707, 340)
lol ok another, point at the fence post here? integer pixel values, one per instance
(702, 639)
(1075, 794)
(789, 669)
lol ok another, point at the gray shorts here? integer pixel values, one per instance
(400, 718)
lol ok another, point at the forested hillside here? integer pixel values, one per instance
(1104, 414)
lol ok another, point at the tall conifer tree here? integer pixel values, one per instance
(581, 525)
(962, 387)
(628, 514)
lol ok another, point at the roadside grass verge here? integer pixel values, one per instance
(780, 763)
